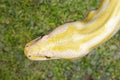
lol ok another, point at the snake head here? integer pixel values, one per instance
(36, 50)
(61, 43)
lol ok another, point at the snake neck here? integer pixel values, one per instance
(109, 9)
(103, 25)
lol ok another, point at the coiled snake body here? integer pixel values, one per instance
(76, 39)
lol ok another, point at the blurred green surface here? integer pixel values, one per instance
(24, 20)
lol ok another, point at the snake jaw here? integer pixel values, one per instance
(34, 51)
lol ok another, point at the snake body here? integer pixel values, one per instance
(76, 39)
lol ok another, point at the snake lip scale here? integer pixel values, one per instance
(76, 39)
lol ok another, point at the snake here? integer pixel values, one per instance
(76, 39)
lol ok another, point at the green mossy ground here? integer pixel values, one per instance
(24, 20)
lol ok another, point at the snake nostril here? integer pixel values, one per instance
(29, 55)
(26, 46)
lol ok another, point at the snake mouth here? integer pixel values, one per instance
(25, 51)
(40, 58)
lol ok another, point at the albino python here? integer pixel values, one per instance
(76, 39)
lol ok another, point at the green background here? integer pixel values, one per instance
(24, 20)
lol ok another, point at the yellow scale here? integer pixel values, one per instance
(76, 39)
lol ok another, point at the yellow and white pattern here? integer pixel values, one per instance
(76, 39)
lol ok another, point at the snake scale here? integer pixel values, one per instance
(76, 39)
